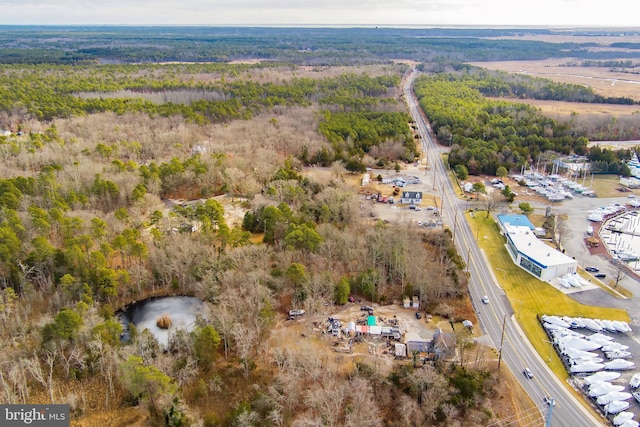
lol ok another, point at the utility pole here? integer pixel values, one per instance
(552, 402)
(504, 323)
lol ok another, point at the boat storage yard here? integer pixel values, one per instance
(598, 355)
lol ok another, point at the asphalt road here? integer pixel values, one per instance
(515, 349)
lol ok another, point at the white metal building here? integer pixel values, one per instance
(535, 256)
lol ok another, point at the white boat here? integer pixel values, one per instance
(619, 365)
(613, 396)
(586, 367)
(573, 353)
(614, 346)
(592, 325)
(579, 360)
(552, 327)
(622, 417)
(634, 382)
(574, 322)
(602, 376)
(579, 343)
(600, 389)
(609, 326)
(630, 423)
(555, 320)
(573, 280)
(621, 326)
(616, 407)
(600, 338)
(618, 354)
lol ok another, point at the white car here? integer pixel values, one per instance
(485, 299)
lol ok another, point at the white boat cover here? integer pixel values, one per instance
(616, 406)
(602, 376)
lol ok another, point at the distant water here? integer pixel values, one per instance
(181, 310)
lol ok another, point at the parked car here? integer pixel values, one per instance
(418, 315)
(592, 269)
(600, 275)
(485, 299)
(527, 373)
(366, 308)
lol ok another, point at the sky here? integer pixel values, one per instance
(585, 13)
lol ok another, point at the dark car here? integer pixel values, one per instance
(600, 275)
(418, 315)
(592, 269)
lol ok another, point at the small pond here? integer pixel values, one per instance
(144, 314)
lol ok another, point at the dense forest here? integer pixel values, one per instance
(87, 228)
(486, 134)
(308, 46)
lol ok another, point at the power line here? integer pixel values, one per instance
(535, 410)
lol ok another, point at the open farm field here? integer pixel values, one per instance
(564, 108)
(603, 80)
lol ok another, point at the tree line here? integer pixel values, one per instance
(303, 46)
(486, 134)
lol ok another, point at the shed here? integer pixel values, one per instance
(401, 351)
(371, 320)
(467, 324)
(416, 343)
(420, 345)
(406, 302)
(416, 302)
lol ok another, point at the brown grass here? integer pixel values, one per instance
(137, 417)
(601, 79)
(564, 108)
(514, 400)
(164, 322)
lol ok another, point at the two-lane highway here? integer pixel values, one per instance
(516, 351)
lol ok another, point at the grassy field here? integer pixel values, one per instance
(605, 186)
(565, 108)
(603, 80)
(531, 297)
